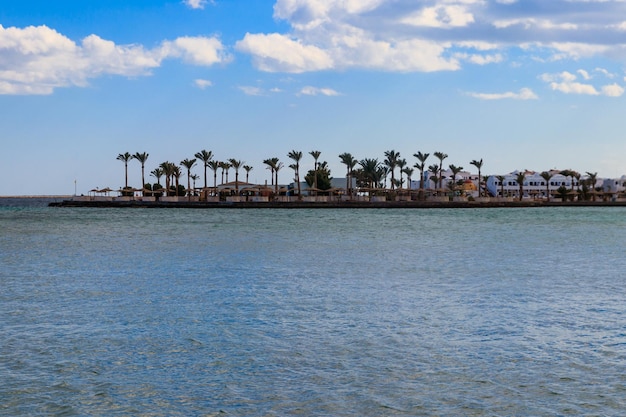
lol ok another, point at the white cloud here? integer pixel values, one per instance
(440, 17)
(196, 50)
(479, 59)
(604, 72)
(279, 53)
(36, 60)
(523, 94)
(534, 23)
(196, 4)
(613, 90)
(351, 48)
(314, 91)
(203, 84)
(574, 88)
(309, 14)
(566, 82)
(251, 91)
(576, 50)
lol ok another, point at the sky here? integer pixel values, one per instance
(521, 84)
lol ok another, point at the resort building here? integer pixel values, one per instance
(614, 185)
(534, 186)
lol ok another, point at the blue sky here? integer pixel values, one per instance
(521, 84)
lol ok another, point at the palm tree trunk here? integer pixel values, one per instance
(143, 180)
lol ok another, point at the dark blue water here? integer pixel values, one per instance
(161, 312)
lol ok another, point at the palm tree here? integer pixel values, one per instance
(569, 173)
(455, 170)
(384, 172)
(592, 183)
(350, 162)
(391, 162)
(501, 179)
(421, 157)
(157, 173)
(176, 173)
(248, 168)
(142, 158)
(521, 177)
(227, 167)
(214, 166)
(401, 165)
(434, 170)
(271, 165)
(205, 156)
(194, 178)
(371, 172)
(236, 164)
(547, 176)
(484, 183)
(409, 174)
(188, 163)
(224, 167)
(478, 165)
(315, 155)
(168, 171)
(277, 167)
(441, 156)
(296, 156)
(125, 157)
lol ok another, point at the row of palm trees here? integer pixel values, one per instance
(372, 173)
(369, 173)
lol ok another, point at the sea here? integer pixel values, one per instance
(312, 312)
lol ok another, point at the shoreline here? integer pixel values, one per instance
(334, 205)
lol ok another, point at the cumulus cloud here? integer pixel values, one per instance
(523, 94)
(279, 53)
(203, 84)
(612, 90)
(567, 83)
(38, 59)
(196, 50)
(314, 91)
(433, 35)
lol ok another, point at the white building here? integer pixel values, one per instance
(534, 184)
(614, 185)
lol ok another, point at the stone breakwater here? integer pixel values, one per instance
(333, 205)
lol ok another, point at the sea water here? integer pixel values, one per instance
(347, 312)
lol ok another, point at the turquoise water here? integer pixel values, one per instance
(455, 312)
